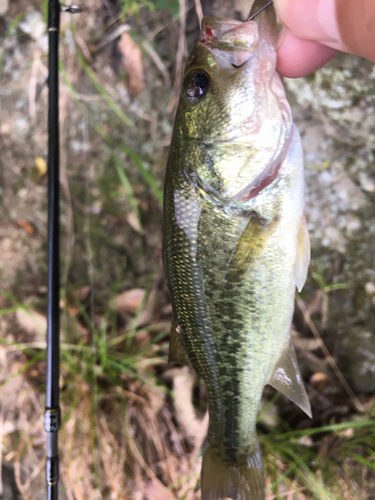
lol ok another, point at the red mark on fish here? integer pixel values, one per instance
(208, 35)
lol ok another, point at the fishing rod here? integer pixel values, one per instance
(52, 411)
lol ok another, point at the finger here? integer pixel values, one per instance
(341, 24)
(356, 21)
(311, 19)
(297, 57)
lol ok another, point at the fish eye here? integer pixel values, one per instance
(196, 83)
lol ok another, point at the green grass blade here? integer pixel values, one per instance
(127, 186)
(146, 174)
(328, 428)
(309, 478)
(8, 310)
(9, 31)
(104, 93)
(150, 180)
(363, 461)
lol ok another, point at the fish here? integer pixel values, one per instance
(235, 241)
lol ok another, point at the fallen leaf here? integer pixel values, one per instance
(167, 310)
(128, 301)
(26, 225)
(194, 428)
(132, 61)
(82, 292)
(306, 441)
(85, 333)
(3, 301)
(32, 321)
(142, 337)
(41, 165)
(155, 490)
(121, 219)
(319, 381)
(134, 223)
(72, 311)
(4, 4)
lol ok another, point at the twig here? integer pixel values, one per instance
(109, 8)
(179, 58)
(112, 36)
(32, 87)
(153, 34)
(199, 11)
(287, 494)
(330, 359)
(158, 62)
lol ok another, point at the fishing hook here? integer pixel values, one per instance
(260, 10)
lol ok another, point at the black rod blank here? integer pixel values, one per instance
(52, 411)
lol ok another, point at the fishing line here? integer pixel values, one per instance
(260, 10)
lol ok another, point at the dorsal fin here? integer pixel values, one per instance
(266, 21)
(287, 379)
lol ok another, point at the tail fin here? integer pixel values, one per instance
(240, 481)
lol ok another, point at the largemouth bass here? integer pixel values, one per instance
(235, 241)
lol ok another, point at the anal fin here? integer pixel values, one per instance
(177, 353)
(287, 379)
(302, 262)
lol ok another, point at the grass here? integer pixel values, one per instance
(319, 473)
(152, 182)
(125, 419)
(118, 419)
(10, 31)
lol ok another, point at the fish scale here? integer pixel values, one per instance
(235, 245)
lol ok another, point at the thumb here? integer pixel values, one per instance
(346, 25)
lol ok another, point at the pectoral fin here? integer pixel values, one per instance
(177, 353)
(249, 248)
(302, 262)
(287, 379)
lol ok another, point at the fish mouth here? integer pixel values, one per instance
(238, 66)
(234, 135)
(226, 58)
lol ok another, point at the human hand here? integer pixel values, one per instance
(315, 30)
